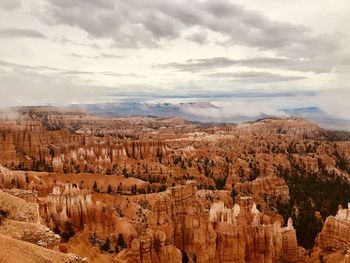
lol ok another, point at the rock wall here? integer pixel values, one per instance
(272, 187)
(248, 236)
(18, 209)
(150, 247)
(30, 146)
(70, 205)
(220, 234)
(335, 235)
(9, 179)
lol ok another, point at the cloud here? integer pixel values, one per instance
(102, 55)
(335, 102)
(138, 23)
(20, 33)
(65, 41)
(255, 77)
(205, 64)
(38, 85)
(10, 5)
(105, 55)
(27, 87)
(29, 67)
(231, 111)
(61, 71)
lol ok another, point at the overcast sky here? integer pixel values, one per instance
(242, 54)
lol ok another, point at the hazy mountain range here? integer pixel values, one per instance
(199, 112)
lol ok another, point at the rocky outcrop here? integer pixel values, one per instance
(9, 179)
(27, 195)
(18, 209)
(8, 152)
(298, 127)
(248, 236)
(259, 164)
(16, 251)
(22, 236)
(150, 247)
(335, 235)
(272, 187)
(69, 205)
(34, 233)
(20, 219)
(30, 146)
(238, 234)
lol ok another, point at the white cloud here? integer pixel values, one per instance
(178, 50)
(335, 103)
(10, 5)
(32, 88)
(231, 110)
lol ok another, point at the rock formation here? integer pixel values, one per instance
(238, 234)
(272, 186)
(334, 237)
(69, 205)
(150, 247)
(153, 190)
(15, 251)
(250, 236)
(22, 237)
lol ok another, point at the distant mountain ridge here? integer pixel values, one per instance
(127, 109)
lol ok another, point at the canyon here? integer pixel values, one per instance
(82, 188)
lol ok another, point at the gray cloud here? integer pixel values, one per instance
(200, 36)
(60, 71)
(103, 55)
(136, 23)
(26, 87)
(230, 111)
(195, 65)
(20, 33)
(335, 102)
(10, 5)
(255, 77)
(188, 90)
(106, 55)
(27, 67)
(65, 41)
(37, 85)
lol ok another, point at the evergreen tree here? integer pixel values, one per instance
(106, 245)
(121, 242)
(185, 258)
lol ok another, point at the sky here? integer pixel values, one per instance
(247, 57)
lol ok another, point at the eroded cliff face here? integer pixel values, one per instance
(148, 189)
(21, 231)
(220, 234)
(246, 235)
(150, 247)
(69, 205)
(30, 146)
(44, 141)
(272, 187)
(333, 243)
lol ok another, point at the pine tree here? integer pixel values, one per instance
(121, 242)
(106, 245)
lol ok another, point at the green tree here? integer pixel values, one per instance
(121, 242)
(185, 258)
(109, 189)
(105, 245)
(68, 231)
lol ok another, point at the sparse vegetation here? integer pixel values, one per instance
(311, 192)
(3, 214)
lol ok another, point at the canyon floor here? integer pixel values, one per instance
(75, 187)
